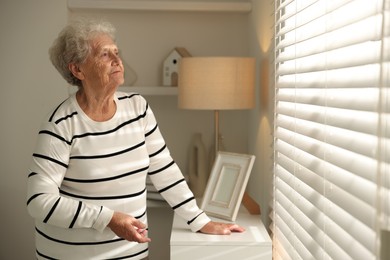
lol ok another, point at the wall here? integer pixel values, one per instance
(261, 118)
(29, 87)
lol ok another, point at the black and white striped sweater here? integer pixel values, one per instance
(82, 171)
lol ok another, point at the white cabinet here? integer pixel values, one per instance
(254, 243)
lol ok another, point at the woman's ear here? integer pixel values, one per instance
(74, 68)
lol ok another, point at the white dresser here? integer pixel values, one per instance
(254, 243)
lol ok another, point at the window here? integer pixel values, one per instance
(331, 196)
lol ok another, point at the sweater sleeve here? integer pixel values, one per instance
(167, 177)
(45, 203)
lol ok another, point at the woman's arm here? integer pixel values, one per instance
(169, 181)
(45, 203)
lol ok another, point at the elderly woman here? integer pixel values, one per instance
(86, 187)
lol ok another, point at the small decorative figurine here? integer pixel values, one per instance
(171, 66)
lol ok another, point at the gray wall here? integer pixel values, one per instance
(261, 118)
(29, 86)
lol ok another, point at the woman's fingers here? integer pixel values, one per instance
(218, 228)
(129, 228)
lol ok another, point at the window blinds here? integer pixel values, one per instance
(332, 128)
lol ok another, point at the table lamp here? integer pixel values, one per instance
(216, 83)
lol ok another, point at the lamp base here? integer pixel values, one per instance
(213, 153)
(216, 133)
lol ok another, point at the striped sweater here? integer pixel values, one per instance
(82, 171)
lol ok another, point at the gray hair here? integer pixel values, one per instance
(72, 45)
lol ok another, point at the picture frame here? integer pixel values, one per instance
(226, 185)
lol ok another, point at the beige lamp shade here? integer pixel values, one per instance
(216, 83)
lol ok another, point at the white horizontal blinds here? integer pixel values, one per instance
(384, 148)
(329, 108)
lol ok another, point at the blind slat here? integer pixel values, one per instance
(352, 77)
(335, 59)
(358, 121)
(362, 99)
(315, 49)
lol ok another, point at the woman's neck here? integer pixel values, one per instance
(97, 106)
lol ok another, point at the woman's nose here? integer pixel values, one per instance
(116, 59)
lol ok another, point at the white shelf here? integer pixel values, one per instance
(145, 91)
(149, 5)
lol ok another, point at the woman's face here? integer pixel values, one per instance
(103, 68)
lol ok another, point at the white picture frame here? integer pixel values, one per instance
(226, 185)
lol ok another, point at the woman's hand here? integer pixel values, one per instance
(218, 228)
(129, 228)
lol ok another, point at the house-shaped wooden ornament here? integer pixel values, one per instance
(171, 66)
